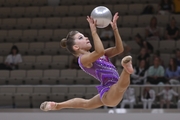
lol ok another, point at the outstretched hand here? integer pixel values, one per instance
(92, 24)
(114, 21)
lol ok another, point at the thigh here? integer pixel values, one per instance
(94, 102)
(113, 96)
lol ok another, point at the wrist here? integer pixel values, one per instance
(114, 29)
(93, 32)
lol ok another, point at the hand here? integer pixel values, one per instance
(92, 24)
(114, 22)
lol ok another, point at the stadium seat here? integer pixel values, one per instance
(24, 89)
(83, 78)
(14, 35)
(6, 100)
(59, 10)
(5, 48)
(43, 62)
(25, 2)
(33, 77)
(22, 100)
(45, 35)
(59, 34)
(38, 23)
(50, 76)
(166, 46)
(135, 9)
(129, 21)
(42, 89)
(40, 2)
(53, 22)
(4, 76)
(32, 11)
(75, 10)
(38, 98)
(143, 20)
(122, 9)
(81, 22)
(29, 35)
(28, 62)
(68, 22)
(23, 47)
(51, 48)
(46, 11)
(125, 33)
(5, 12)
(8, 23)
(23, 23)
(36, 48)
(17, 77)
(3, 35)
(68, 76)
(59, 62)
(17, 12)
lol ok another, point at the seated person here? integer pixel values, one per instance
(143, 44)
(177, 56)
(168, 94)
(129, 98)
(165, 7)
(173, 72)
(155, 73)
(172, 31)
(152, 31)
(140, 73)
(148, 97)
(144, 55)
(12, 60)
(106, 34)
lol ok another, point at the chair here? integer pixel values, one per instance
(5, 48)
(61, 89)
(83, 78)
(24, 89)
(23, 47)
(143, 20)
(42, 89)
(177, 18)
(30, 35)
(17, 12)
(75, 10)
(40, 2)
(91, 89)
(28, 62)
(166, 46)
(57, 36)
(33, 77)
(43, 62)
(53, 22)
(36, 48)
(134, 46)
(59, 10)
(129, 21)
(155, 44)
(8, 89)
(135, 9)
(31, 11)
(23, 23)
(1, 59)
(51, 48)
(88, 9)
(4, 76)
(45, 35)
(50, 76)
(59, 62)
(38, 23)
(5, 12)
(14, 35)
(121, 9)
(8, 23)
(3, 35)
(17, 77)
(46, 11)
(25, 2)
(68, 76)
(140, 30)
(165, 58)
(125, 33)
(38, 98)
(57, 97)
(81, 21)
(22, 100)
(77, 89)
(6, 100)
(162, 20)
(68, 22)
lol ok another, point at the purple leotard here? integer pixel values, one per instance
(104, 71)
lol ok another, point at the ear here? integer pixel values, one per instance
(75, 47)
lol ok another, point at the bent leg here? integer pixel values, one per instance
(116, 91)
(92, 103)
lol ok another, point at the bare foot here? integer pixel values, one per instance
(127, 64)
(46, 106)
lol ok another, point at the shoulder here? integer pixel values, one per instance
(161, 67)
(9, 56)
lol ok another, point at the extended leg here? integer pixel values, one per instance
(92, 103)
(116, 92)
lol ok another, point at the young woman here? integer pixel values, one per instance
(98, 65)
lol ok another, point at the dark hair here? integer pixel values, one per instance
(163, 2)
(14, 47)
(68, 42)
(174, 67)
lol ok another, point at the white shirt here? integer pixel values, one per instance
(129, 94)
(13, 59)
(168, 94)
(151, 93)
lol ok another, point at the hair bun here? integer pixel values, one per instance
(63, 43)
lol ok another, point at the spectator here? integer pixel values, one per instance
(173, 72)
(156, 73)
(142, 43)
(12, 60)
(167, 93)
(177, 56)
(152, 31)
(172, 31)
(140, 73)
(165, 7)
(148, 97)
(74, 64)
(178, 104)
(106, 34)
(144, 55)
(129, 98)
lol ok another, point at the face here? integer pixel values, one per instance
(142, 63)
(143, 51)
(156, 61)
(81, 42)
(14, 51)
(171, 62)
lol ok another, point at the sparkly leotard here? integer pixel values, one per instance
(104, 71)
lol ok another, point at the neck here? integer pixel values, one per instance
(82, 52)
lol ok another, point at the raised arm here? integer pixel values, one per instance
(90, 57)
(118, 48)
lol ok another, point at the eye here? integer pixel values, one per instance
(80, 37)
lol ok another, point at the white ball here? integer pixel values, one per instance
(103, 16)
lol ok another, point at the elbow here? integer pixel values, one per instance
(121, 50)
(101, 53)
